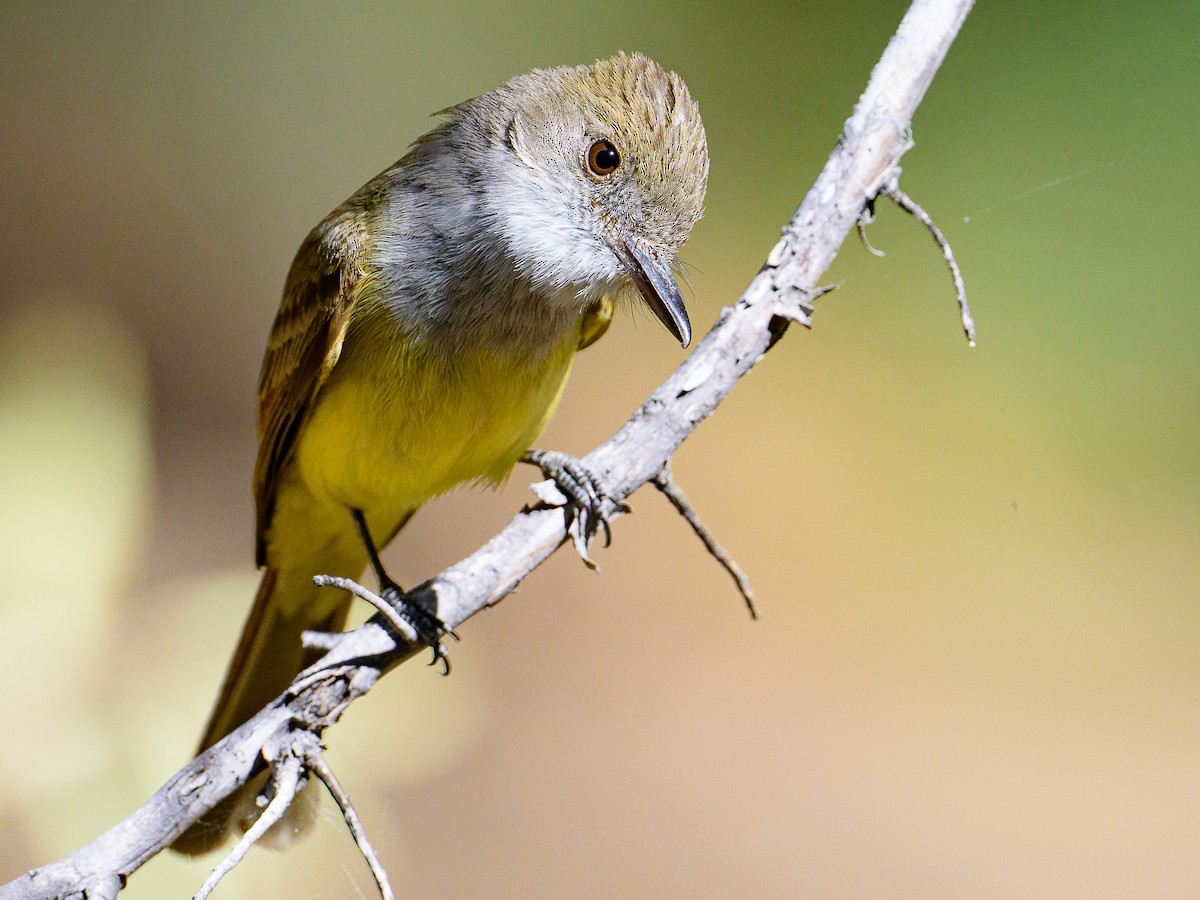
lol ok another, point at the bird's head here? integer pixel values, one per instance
(595, 175)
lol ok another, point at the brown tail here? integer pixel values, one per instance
(268, 656)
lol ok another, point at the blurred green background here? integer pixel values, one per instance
(976, 672)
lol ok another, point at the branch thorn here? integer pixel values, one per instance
(892, 192)
(665, 483)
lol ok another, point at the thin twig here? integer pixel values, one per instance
(315, 760)
(320, 640)
(397, 622)
(673, 492)
(287, 777)
(892, 192)
(865, 218)
(394, 619)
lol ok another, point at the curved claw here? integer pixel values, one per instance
(429, 628)
(622, 507)
(438, 653)
(586, 500)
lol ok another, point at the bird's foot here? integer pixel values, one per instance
(581, 493)
(425, 623)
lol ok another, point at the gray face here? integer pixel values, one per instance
(595, 177)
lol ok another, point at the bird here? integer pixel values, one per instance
(427, 328)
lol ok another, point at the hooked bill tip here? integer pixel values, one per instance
(657, 286)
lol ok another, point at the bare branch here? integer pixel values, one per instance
(315, 760)
(287, 779)
(910, 206)
(863, 163)
(673, 492)
(865, 218)
(395, 621)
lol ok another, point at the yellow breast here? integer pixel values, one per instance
(399, 421)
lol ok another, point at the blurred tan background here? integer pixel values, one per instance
(976, 672)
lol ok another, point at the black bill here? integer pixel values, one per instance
(658, 288)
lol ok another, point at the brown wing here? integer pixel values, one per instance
(304, 345)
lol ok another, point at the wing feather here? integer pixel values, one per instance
(304, 345)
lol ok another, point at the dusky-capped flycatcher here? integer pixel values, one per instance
(428, 325)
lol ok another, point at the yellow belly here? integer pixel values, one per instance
(396, 424)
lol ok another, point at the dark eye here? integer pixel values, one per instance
(603, 158)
